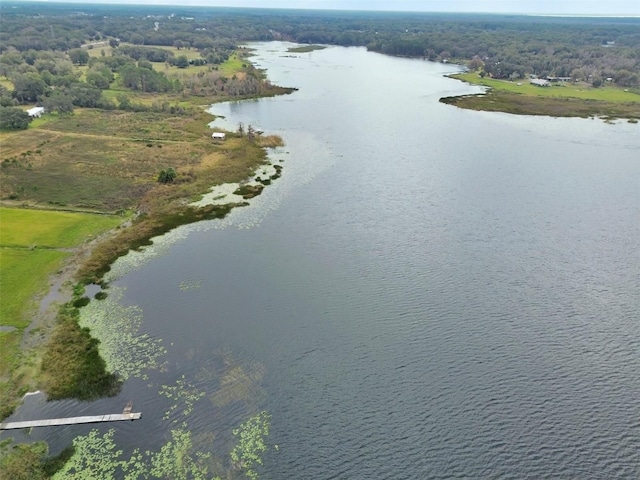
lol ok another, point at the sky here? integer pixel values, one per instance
(552, 7)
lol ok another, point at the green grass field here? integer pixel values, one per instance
(50, 229)
(190, 53)
(23, 274)
(232, 66)
(33, 246)
(96, 51)
(559, 90)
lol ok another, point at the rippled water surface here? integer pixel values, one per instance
(427, 292)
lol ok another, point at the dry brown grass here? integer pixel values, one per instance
(107, 160)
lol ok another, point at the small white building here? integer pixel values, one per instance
(540, 82)
(35, 112)
(218, 136)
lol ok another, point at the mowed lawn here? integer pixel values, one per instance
(31, 249)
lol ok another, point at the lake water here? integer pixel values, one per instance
(427, 292)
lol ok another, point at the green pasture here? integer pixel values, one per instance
(174, 71)
(229, 68)
(38, 122)
(50, 229)
(23, 275)
(558, 90)
(190, 53)
(96, 51)
(232, 66)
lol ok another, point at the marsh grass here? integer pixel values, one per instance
(140, 234)
(269, 141)
(71, 364)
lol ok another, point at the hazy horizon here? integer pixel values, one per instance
(524, 7)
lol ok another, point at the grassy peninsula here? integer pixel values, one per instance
(559, 99)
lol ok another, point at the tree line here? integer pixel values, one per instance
(46, 42)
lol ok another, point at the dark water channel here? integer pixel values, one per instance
(427, 292)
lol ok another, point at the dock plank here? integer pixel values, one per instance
(52, 422)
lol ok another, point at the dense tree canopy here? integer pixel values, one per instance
(29, 87)
(506, 46)
(12, 118)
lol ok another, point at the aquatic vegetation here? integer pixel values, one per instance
(96, 457)
(190, 285)
(182, 393)
(247, 454)
(248, 191)
(24, 461)
(175, 459)
(126, 350)
(237, 383)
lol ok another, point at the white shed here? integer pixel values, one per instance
(35, 112)
(538, 82)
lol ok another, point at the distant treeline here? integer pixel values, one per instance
(504, 46)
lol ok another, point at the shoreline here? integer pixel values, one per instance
(130, 234)
(60, 290)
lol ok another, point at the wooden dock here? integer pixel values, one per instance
(52, 422)
(126, 414)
